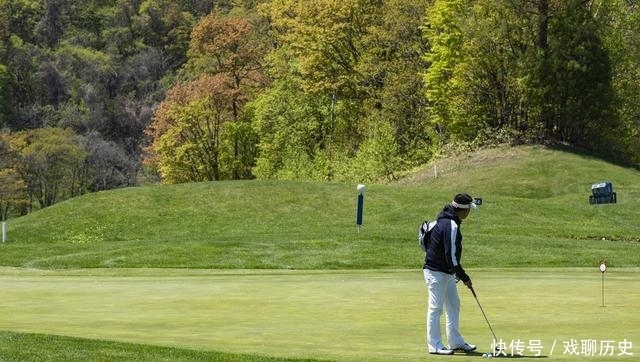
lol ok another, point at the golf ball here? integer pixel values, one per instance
(489, 355)
(484, 355)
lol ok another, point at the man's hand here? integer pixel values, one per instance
(462, 276)
(468, 284)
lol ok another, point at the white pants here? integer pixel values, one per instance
(442, 294)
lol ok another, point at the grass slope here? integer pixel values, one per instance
(131, 269)
(535, 213)
(21, 347)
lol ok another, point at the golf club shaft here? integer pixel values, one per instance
(483, 314)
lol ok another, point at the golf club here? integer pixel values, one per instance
(483, 314)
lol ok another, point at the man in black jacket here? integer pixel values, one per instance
(441, 270)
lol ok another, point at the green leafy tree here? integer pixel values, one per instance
(568, 94)
(482, 57)
(621, 36)
(50, 160)
(487, 72)
(189, 150)
(20, 19)
(50, 27)
(392, 63)
(581, 89)
(164, 24)
(5, 95)
(294, 132)
(317, 85)
(13, 193)
(354, 62)
(445, 33)
(378, 156)
(323, 37)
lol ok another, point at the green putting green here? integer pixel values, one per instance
(363, 315)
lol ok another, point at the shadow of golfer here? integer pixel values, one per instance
(498, 355)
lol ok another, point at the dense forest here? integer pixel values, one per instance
(98, 94)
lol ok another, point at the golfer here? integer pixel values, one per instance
(441, 270)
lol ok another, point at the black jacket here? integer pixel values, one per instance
(445, 245)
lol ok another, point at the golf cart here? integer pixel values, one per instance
(602, 193)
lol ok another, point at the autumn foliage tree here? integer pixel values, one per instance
(187, 130)
(201, 131)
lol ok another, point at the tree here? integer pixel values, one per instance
(378, 156)
(13, 195)
(229, 45)
(190, 128)
(201, 130)
(318, 87)
(445, 35)
(12, 187)
(582, 73)
(392, 64)
(49, 162)
(20, 19)
(50, 27)
(164, 25)
(324, 37)
(295, 135)
(107, 166)
(621, 37)
(91, 66)
(5, 96)
(488, 72)
(356, 62)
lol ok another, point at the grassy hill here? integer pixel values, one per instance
(535, 213)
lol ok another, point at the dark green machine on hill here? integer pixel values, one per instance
(602, 193)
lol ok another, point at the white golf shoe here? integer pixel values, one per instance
(442, 351)
(465, 348)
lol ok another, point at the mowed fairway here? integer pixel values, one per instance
(372, 315)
